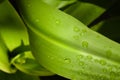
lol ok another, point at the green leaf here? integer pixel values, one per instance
(59, 3)
(26, 63)
(4, 62)
(109, 28)
(85, 12)
(102, 3)
(66, 46)
(88, 11)
(11, 27)
(17, 76)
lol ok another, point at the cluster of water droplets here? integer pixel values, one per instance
(107, 69)
(112, 70)
(79, 34)
(80, 59)
(57, 22)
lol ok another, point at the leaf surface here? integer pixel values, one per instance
(4, 62)
(65, 46)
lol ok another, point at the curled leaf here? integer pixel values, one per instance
(26, 63)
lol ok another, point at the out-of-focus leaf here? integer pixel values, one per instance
(26, 63)
(106, 4)
(17, 76)
(1, 1)
(59, 3)
(67, 47)
(109, 28)
(11, 27)
(4, 62)
(85, 12)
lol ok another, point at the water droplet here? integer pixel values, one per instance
(112, 74)
(57, 22)
(51, 57)
(79, 56)
(67, 60)
(76, 37)
(110, 68)
(97, 36)
(110, 47)
(81, 33)
(105, 70)
(85, 44)
(96, 60)
(81, 63)
(76, 29)
(37, 20)
(89, 57)
(108, 53)
(84, 30)
(29, 5)
(48, 56)
(102, 62)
